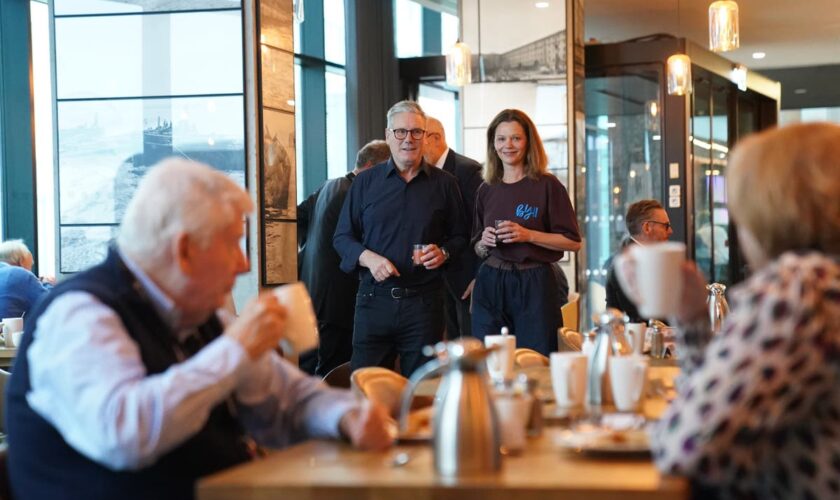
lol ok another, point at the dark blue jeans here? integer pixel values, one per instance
(385, 328)
(523, 300)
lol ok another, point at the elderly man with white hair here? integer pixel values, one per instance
(130, 384)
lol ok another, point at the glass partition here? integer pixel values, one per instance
(623, 163)
(709, 155)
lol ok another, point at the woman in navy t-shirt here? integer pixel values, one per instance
(524, 221)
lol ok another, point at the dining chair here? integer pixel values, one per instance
(526, 358)
(570, 312)
(339, 376)
(381, 385)
(569, 340)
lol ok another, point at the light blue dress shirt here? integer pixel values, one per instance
(89, 382)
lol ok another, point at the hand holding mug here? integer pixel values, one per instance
(260, 326)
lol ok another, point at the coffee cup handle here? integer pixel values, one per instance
(571, 394)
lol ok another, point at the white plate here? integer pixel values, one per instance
(613, 435)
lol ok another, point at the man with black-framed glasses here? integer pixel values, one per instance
(391, 208)
(647, 222)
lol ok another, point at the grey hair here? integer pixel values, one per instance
(14, 252)
(405, 107)
(375, 152)
(179, 195)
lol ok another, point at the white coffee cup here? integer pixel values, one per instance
(513, 412)
(658, 276)
(568, 378)
(627, 379)
(12, 324)
(500, 361)
(301, 323)
(636, 333)
(12, 339)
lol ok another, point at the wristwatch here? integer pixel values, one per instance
(445, 253)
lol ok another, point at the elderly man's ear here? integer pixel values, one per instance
(184, 250)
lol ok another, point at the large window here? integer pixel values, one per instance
(321, 90)
(137, 81)
(421, 31)
(44, 171)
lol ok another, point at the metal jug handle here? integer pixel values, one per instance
(432, 367)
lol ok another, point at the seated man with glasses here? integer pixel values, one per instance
(401, 222)
(647, 222)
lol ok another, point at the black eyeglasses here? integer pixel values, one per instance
(401, 133)
(666, 224)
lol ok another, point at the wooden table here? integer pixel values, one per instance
(7, 357)
(324, 470)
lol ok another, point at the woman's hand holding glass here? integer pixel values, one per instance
(511, 232)
(488, 237)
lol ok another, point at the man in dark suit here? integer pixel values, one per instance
(333, 291)
(460, 274)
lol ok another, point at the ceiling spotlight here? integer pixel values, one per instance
(758, 55)
(800, 91)
(541, 5)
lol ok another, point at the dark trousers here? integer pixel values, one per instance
(458, 320)
(335, 347)
(524, 300)
(385, 328)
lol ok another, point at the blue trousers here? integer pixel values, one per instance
(386, 327)
(523, 300)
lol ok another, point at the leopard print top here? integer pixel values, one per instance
(758, 411)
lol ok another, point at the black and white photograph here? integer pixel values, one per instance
(105, 148)
(509, 54)
(279, 203)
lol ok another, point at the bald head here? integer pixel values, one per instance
(435, 140)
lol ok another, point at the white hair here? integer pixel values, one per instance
(175, 196)
(405, 107)
(14, 252)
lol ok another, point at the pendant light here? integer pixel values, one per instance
(679, 69)
(723, 26)
(458, 65)
(679, 75)
(738, 76)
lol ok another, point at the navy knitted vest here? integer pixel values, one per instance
(43, 465)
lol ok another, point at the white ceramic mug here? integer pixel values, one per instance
(636, 332)
(513, 412)
(10, 327)
(568, 378)
(658, 277)
(301, 323)
(500, 361)
(627, 378)
(15, 339)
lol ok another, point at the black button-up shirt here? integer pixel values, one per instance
(386, 215)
